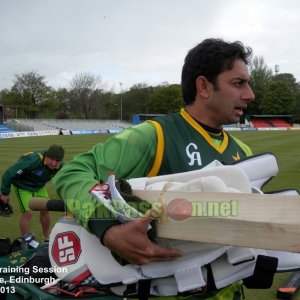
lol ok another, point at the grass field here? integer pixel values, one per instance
(283, 144)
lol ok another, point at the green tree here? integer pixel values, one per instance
(279, 99)
(62, 97)
(288, 78)
(85, 94)
(296, 114)
(135, 100)
(9, 100)
(166, 99)
(260, 77)
(28, 93)
(109, 108)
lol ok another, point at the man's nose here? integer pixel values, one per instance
(248, 94)
(55, 163)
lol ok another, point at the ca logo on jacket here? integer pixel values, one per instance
(194, 156)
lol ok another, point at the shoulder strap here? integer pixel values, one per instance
(160, 148)
(39, 154)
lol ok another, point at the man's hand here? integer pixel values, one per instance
(131, 242)
(6, 209)
(4, 198)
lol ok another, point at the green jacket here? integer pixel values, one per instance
(133, 153)
(28, 173)
(129, 154)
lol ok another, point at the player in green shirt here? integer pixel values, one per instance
(215, 86)
(29, 176)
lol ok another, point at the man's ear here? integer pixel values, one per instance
(203, 86)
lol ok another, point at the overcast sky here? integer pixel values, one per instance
(137, 41)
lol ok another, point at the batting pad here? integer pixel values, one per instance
(228, 177)
(65, 251)
(260, 169)
(102, 265)
(229, 264)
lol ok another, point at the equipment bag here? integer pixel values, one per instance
(5, 246)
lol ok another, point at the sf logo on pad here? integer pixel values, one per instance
(66, 248)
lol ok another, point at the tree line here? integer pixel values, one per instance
(31, 97)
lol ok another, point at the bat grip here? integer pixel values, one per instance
(56, 205)
(37, 204)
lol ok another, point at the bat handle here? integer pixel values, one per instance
(38, 204)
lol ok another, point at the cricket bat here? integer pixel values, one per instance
(289, 287)
(263, 221)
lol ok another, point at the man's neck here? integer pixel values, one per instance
(201, 116)
(215, 131)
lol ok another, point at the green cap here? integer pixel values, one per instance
(56, 152)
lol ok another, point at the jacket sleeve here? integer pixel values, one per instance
(21, 167)
(244, 146)
(128, 154)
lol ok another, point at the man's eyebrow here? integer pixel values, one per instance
(242, 79)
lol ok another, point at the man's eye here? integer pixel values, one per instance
(238, 83)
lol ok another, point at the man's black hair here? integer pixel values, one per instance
(210, 58)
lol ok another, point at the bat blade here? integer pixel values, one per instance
(264, 221)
